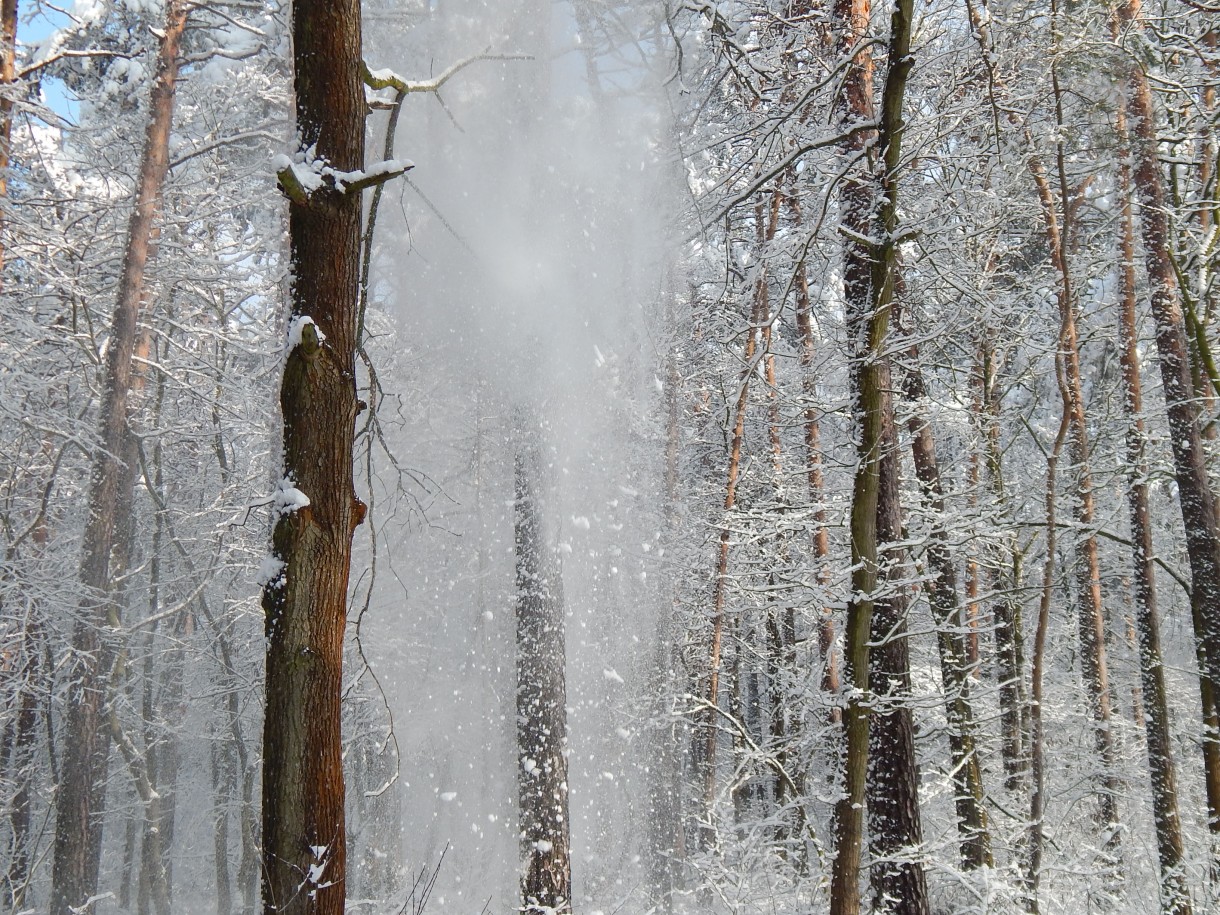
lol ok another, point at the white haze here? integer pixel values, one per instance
(522, 268)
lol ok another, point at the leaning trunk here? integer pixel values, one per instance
(78, 829)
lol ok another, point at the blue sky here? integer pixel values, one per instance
(33, 28)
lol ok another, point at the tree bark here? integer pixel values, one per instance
(871, 211)
(1090, 613)
(1195, 496)
(952, 643)
(895, 834)
(1175, 896)
(542, 722)
(8, 79)
(304, 840)
(78, 828)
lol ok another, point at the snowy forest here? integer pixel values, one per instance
(658, 457)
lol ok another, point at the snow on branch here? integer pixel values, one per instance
(301, 176)
(388, 79)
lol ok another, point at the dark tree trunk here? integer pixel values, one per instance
(1195, 495)
(1175, 895)
(304, 840)
(79, 813)
(897, 876)
(871, 211)
(542, 721)
(952, 644)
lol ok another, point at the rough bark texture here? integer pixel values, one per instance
(8, 77)
(304, 841)
(952, 644)
(867, 329)
(897, 876)
(79, 814)
(1195, 496)
(1175, 897)
(870, 210)
(542, 721)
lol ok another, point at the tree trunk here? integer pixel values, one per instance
(1090, 613)
(952, 644)
(1195, 495)
(542, 721)
(1037, 767)
(304, 840)
(1175, 896)
(78, 829)
(895, 835)
(868, 289)
(8, 79)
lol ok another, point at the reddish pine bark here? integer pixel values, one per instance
(304, 837)
(79, 803)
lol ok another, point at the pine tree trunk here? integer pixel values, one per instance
(867, 327)
(952, 645)
(1090, 613)
(79, 813)
(1195, 496)
(895, 834)
(871, 211)
(8, 79)
(542, 723)
(1175, 896)
(304, 838)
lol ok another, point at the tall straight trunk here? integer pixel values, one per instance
(20, 757)
(79, 814)
(1175, 895)
(542, 722)
(1195, 496)
(895, 834)
(868, 325)
(8, 78)
(1090, 613)
(952, 644)
(870, 210)
(304, 837)
(815, 481)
